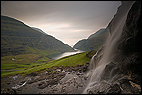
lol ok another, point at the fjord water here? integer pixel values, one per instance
(66, 54)
(115, 29)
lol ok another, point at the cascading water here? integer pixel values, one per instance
(115, 28)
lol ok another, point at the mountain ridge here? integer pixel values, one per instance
(94, 41)
(17, 38)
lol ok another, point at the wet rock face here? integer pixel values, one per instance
(109, 71)
(131, 39)
(123, 85)
(128, 57)
(130, 36)
(122, 74)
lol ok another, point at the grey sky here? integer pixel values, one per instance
(68, 21)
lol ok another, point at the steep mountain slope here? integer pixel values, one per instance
(18, 38)
(94, 41)
(98, 33)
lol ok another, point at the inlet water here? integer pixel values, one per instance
(66, 54)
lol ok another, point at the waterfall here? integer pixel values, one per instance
(115, 28)
(92, 62)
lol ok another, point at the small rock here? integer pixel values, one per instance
(58, 70)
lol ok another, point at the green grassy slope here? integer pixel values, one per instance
(15, 63)
(40, 64)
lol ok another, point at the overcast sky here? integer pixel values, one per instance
(68, 21)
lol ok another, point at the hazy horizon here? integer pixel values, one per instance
(68, 21)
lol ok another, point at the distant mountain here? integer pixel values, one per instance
(18, 38)
(100, 32)
(94, 41)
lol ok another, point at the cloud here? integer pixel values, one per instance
(63, 19)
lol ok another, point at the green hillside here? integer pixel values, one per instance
(93, 42)
(18, 38)
(12, 67)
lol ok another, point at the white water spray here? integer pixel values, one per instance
(115, 28)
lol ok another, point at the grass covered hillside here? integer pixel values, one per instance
(37, 64)
(18, 38)
(93, 42)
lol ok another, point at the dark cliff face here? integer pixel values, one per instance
(122, 73)
(128, 50)
(130, 40)
(128, 53)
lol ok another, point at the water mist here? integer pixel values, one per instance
(115, 29)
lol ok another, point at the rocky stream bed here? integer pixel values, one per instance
(56, 80)
(65, 80)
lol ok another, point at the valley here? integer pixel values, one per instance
(16, 72)
(31, 53)
(106, 62)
